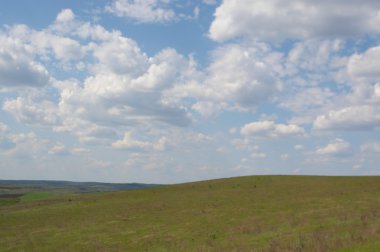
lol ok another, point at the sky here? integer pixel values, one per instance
(170, 91)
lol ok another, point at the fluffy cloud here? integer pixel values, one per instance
(314, 56)
(365, 65)
(336, 148)
(26, 146)
(239, 73)
(62, 48)
(271, 129)
(239, 77)
(28, 111)
(296, 19)
(65, 15)
(123, 86)
(129, 97)
(143, 11)
(129, 143)
(120, 55)
(350, 118)
(17, 67)
(307, 99)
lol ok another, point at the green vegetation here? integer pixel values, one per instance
(36, 196)
(259, 213)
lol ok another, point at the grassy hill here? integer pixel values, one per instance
(258, 213)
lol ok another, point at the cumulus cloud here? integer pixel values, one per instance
(363, 117)
(17, 67)
(27, 145)
(336, 148)
(65, 15)
(271, 129)
(130, 97)
(143, 11)
(365, 65)
(296, 19)
(123, 86)
(313, 55)
(28, 111)
(307, 99)
(50, 44)
(238, 78)
(120, 55)
(129, 143)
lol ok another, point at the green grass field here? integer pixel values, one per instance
(259, 213)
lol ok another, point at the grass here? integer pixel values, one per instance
(259, 213)
(36, 196)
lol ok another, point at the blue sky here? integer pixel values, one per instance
(166, 91)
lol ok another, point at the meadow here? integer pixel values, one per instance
(256, 213)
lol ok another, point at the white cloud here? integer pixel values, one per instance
(129, 143)
(17, 67)
(120, 55)
(240, 73)
(270, 129)
(336, 148)
(143, 11)
(130, 97)
(363, 117)
(58, 149)
(88, 132)
(365, 65)
(123, 86)
(62, 48)
(28, 111)
(238, 78)
(25, 52)
(307, 99)
(296, 19)
(27, 145)
(65, 15)
(314, 55)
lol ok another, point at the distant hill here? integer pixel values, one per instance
(258, 213)
(19, 186)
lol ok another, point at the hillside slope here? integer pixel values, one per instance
(258, 213)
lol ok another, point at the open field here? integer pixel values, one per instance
(259, 213)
